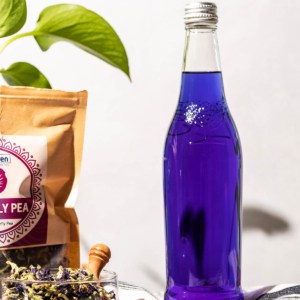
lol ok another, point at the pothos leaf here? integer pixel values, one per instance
(83, 28)
(13, 15)
(25, 74)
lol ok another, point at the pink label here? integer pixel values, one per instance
(23, 161)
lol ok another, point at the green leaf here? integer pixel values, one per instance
(13, 15)
(83, 28)
(25, 74)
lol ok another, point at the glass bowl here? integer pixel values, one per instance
(106, 288)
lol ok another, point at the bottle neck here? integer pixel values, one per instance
(201, 51)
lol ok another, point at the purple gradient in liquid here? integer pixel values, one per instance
(202, 188)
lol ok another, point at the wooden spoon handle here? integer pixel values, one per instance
(98, 257)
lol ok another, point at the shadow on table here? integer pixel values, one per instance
(154, 276)
(255, 218)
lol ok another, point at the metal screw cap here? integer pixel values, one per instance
(201, 14)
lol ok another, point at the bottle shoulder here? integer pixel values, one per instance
(222, 137)
(202, 118)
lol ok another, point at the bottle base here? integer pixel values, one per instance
(185, 293)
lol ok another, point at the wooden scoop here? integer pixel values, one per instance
(98, 257)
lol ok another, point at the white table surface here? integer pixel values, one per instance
(136, 295)
(282, 291)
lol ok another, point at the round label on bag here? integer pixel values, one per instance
(22, 201)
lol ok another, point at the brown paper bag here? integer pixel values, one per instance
(41, 139)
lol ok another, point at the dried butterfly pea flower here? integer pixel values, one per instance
(47, 256)
(37, 283)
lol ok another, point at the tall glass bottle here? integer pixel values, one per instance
(202, 174)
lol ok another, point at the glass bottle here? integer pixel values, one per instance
(202, 174)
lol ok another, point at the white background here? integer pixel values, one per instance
(121, 200)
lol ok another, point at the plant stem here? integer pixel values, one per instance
(14, 38)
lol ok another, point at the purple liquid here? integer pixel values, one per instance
(202, 187)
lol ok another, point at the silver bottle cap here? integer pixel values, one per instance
(201, 14)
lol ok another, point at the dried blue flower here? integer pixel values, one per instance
(63, 284)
